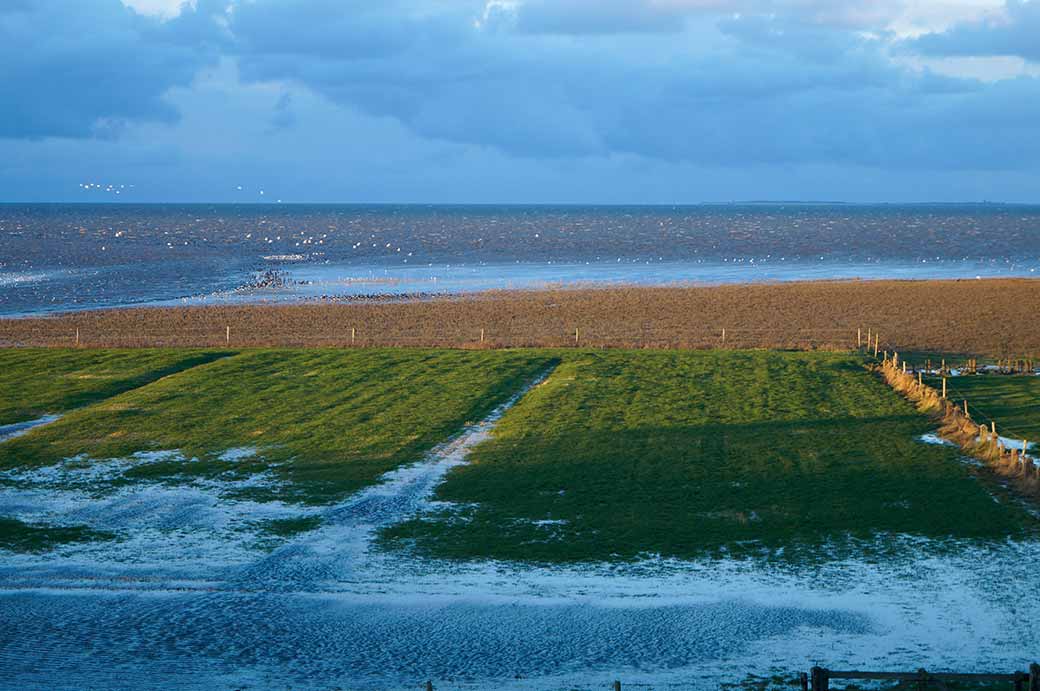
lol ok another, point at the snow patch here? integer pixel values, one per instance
(19, 428)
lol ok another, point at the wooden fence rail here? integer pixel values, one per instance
(819, 678)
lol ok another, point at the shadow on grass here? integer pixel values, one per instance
(819, 489)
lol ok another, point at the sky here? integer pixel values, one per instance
(519, 101)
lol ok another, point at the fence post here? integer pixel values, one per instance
(876, 341)
(820, 680)
(353, 334)
(859, 338)
(966, 409)
(575, 336)
(227, 336)
(77, 336)
(723, 337)
(482, 335)
(944, 387)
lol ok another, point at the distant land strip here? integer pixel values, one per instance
(992, 317)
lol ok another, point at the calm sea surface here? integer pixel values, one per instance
(56, 257)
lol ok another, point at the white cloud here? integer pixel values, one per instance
(160, 8)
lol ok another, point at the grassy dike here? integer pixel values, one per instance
(618, 454)
(327, 422)
(690, 454)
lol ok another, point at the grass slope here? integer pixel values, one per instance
(328, 421)
(687, 454)
(36, 381)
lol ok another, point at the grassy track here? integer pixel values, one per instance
(687, 454)
(328, 421)
(36, 382)
(1013, 401)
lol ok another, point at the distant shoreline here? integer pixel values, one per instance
(997, 317)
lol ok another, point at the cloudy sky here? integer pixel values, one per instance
(616, 101)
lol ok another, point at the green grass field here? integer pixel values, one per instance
(1013, 401)
(327, 421)
(619, 454)
(687, 454)
(39, 381)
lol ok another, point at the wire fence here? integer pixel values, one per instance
(562, 336)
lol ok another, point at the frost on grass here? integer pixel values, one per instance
(156, 523)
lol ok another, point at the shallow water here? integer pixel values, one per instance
(194, 597)
(74, 256)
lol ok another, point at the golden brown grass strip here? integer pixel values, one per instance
(955, 425)
(982, 317)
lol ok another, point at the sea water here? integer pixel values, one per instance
(59, 257)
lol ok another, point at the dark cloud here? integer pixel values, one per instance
(71, 68)
(735, 90)
(565, 91)
(1017, 34)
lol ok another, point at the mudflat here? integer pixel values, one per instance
(997, 317)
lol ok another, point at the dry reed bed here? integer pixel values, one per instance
(985, 317)
(955, 425)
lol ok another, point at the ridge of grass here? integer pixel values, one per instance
(691, 454)
(41, 381)
(325, 421)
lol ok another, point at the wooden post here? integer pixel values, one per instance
(859, 338)
(904, 366)
(77, 336)
(943, 368)
(820, 679)
(723, 337)
(920, 378)
(876, 341)
(353, 334)
(575, 336)
(482, 335)
(944, 387)
(227, 336)
(966, 409)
